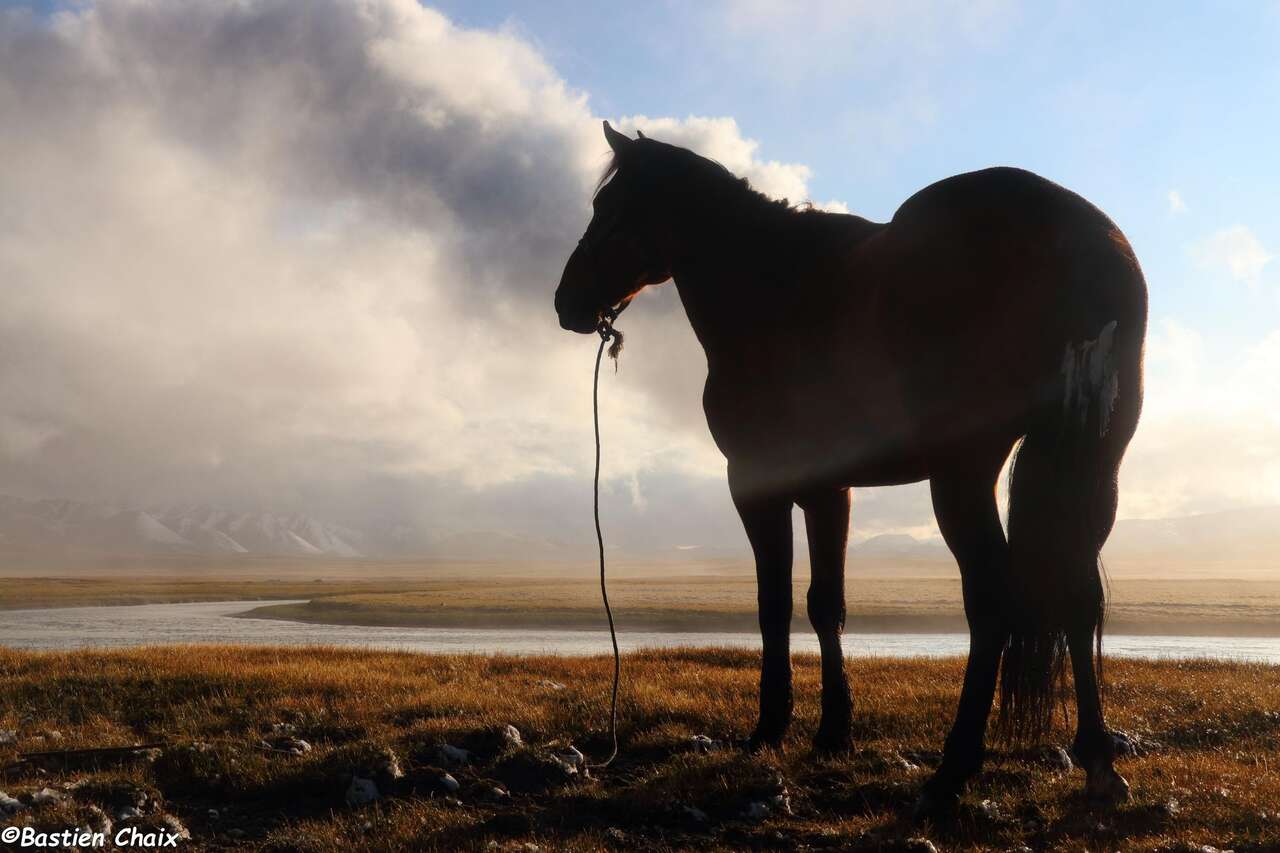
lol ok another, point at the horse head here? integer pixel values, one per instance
(626, 246)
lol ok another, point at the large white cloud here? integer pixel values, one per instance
(1210, 432)
(302, 252)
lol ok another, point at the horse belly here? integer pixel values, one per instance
(841, 431)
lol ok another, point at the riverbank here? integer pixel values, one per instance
(233, 770)
(207, 623)
(713, 599)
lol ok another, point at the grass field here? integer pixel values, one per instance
(229, 773)
(714, 598)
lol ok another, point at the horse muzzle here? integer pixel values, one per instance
(576, 305)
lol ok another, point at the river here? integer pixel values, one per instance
(216, 622)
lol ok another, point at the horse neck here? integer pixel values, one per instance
(732, 263)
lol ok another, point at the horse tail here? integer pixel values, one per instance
(1062, 503)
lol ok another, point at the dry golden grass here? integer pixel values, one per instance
(1213, 731)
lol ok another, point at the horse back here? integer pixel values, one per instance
(894, 345)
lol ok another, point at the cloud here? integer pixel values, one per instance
(301, 253)
(1209, 438)
(1235, 251)
(1176, 204)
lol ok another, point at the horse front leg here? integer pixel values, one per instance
(826, 517)
(768, 525)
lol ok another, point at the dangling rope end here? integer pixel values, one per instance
(607, 333)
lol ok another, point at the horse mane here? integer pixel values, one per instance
(730, 188)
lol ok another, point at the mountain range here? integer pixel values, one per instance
(110, 529)
(55, 526)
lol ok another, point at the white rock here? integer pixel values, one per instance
(46, 796)
(8, 737)
(989, 809)
(920, 844)
(573, 757)
(702, 743)
(450, 784)
(362, 791)
(297, 746)
(569, 768)
(511, 735)
(452, 755)
(9, 805)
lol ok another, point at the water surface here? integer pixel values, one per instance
(216, 622)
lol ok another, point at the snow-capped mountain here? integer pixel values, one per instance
(53, 525)
(63, 527)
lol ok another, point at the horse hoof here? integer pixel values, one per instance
(935, 805)
(825, 745)
(758, 742)
(1107, 788)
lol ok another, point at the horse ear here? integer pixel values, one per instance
(640, 134)
(617, 141)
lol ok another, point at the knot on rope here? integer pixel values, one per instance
(608, 333)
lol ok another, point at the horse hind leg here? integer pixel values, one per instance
(1061, 511)
(1094, 746)
(965, 507)
(826, 516)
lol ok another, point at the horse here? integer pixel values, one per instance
(996, 314)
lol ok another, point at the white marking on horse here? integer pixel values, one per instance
(1090, 374)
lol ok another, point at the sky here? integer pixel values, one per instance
(299, 255)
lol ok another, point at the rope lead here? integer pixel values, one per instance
(607, 333)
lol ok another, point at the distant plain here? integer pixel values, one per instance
(1228, 598)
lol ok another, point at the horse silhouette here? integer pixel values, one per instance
(996, 309)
